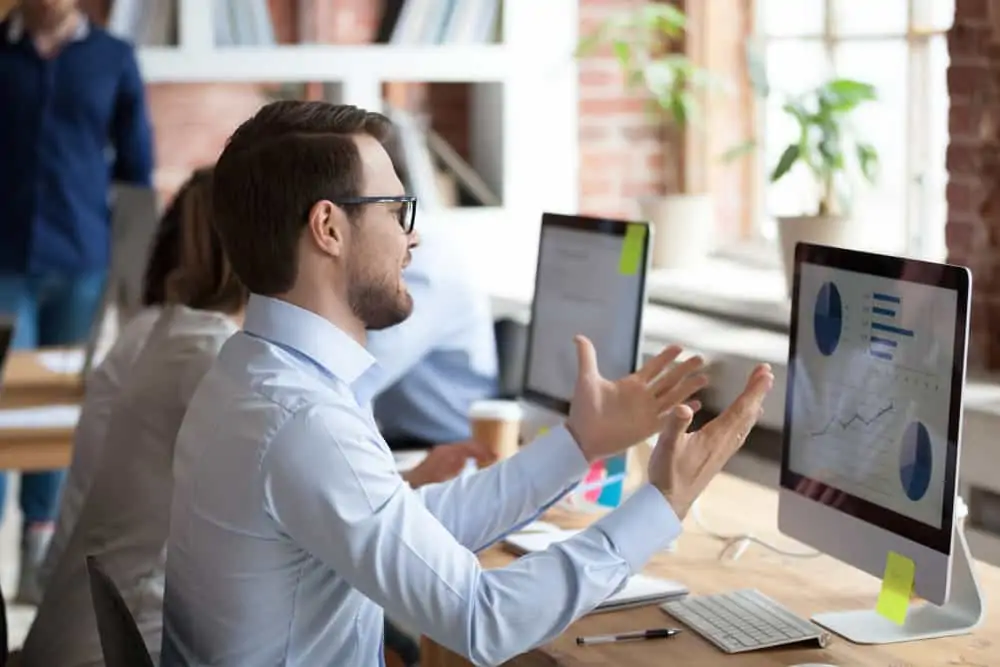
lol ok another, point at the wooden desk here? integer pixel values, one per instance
(35, 448)
(807, 586)
(28, 383)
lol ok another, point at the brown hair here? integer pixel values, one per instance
(276, 165)
(203, 277)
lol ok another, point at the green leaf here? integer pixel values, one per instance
(868, 159)
(738, 151)
(589, 44)
(622, 52)
(663, 17)
(788, 158)
(756, 70)
(843, 95)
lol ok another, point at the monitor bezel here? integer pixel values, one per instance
(954, 278)
(596, 225)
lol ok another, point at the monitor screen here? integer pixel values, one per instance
(876, 364)
(591, 280)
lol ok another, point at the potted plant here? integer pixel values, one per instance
(645, 43)
(835, 159)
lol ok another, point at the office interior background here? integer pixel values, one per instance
(508, 119)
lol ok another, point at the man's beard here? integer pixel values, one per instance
(377, 304)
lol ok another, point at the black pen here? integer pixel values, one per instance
(637, 635)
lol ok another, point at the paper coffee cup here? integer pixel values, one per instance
(496, 425)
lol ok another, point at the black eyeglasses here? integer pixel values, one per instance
(407, 214)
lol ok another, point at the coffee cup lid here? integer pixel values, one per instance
(495, 409)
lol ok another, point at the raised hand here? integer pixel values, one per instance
(445, 462)
(682, 464)
(606, 417)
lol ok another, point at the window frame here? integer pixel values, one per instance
(919, 230)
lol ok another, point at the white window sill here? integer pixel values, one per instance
(728, 289)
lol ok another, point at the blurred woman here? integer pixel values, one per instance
(124, 519)
(104, 383)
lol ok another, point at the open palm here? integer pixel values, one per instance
(683, 463)
(606, 417)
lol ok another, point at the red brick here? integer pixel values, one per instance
(962, 158)
(964, 80)
(611, 105)
(968, 42)
(961, 239)
(970, 11)
(963, 120)
(961, 197)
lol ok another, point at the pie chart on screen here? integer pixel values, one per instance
(828, 318)
(915, 461)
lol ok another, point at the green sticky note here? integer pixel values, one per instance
(897, 586)
(628, 263)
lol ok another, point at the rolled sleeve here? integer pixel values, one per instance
(478, 509)
(643, 525)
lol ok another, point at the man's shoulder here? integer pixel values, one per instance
(119, 46)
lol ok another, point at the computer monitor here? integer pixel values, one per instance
(591, 280)
(873, 416)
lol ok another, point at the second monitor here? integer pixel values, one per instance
(873, 414)
(590, 280)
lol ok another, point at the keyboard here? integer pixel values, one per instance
(744, 620)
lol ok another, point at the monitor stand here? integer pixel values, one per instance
(959, 615)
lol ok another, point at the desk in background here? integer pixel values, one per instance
(806, 585)
(33, 378)
(47, 383)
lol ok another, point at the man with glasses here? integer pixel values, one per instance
(443, 357)
(291, 529)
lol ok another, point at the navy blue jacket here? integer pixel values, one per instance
(69, 125)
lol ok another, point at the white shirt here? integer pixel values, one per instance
(125, 516)
(291, 529)
(103, 386)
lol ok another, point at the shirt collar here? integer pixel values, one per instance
(317, 339)
(15, 28)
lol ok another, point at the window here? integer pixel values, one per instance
(899, 46)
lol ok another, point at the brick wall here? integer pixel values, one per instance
(973, 226)
(622, 148)
(624, 151)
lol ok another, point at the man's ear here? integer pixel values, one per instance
(327, 228)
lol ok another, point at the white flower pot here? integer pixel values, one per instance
(683, 229)
(820, 230)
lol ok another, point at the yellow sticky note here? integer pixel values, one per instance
(628, 263)
(897, 586)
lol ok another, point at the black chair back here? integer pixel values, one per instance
(512, 347)
(121, 641)
(4, 647)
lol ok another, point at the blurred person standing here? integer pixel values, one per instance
(73, 119)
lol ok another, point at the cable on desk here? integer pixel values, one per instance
(738, 544)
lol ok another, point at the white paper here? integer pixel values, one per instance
(69, 362)
(49, 416)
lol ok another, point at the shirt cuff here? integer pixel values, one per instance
(552, 462)
(644, 524)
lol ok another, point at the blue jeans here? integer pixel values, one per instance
(51, 309)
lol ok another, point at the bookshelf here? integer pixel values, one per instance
(524, 109)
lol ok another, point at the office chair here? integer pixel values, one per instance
(512, 346)
(121, 641)
(4, 647)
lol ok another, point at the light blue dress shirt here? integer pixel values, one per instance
(291, 529)
(443, 358)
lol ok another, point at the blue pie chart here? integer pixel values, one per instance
(916, 460)
(828, 319)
